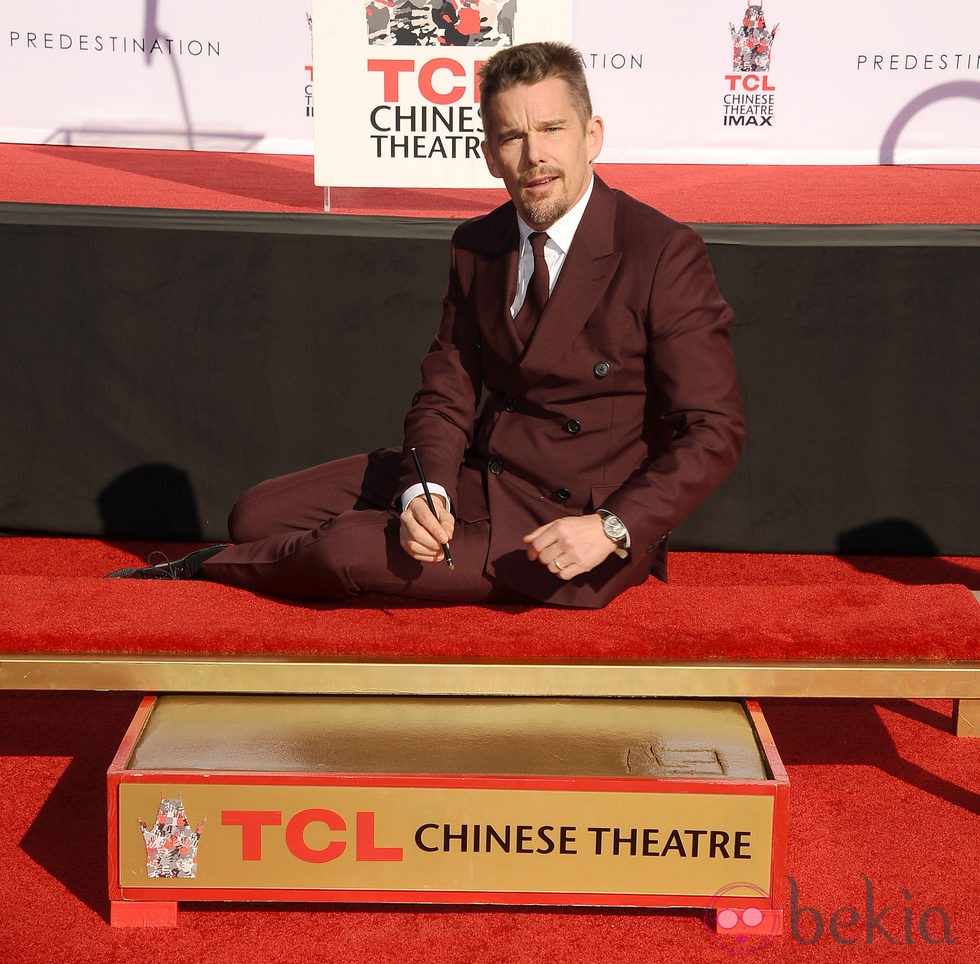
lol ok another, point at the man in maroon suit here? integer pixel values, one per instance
(578, 401)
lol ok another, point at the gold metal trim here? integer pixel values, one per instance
(967, 715)
(302, 675)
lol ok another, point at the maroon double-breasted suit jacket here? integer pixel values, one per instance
(625, 397)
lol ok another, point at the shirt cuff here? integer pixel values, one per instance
(418, 489)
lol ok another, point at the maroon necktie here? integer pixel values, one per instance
(538, 289)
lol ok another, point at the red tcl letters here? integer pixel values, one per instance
(253, 822)
(441, 80)
(748, 82)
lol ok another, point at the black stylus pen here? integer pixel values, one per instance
(432, 508)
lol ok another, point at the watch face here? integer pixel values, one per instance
(613, 528)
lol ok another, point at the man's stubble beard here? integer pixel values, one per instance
(548, 210)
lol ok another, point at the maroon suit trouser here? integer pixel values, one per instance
(330, 532)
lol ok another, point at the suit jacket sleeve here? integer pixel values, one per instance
(695, 406)
(440, 422)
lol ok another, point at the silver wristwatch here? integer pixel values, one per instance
(613, 527)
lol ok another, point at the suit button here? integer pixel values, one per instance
(496, 467)
(601, 369)
(573, 426)
(510, 405)
(563, 495)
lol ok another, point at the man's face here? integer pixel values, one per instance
(537, 143)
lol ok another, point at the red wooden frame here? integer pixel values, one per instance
(152, 906)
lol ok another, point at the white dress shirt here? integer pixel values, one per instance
(560, 236)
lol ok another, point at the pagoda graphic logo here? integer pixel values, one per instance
(753, 42)
(435, 23)
(750, 98)
(171, 845)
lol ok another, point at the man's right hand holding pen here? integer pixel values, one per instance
(422, 534)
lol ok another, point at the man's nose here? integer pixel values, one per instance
(536, 149)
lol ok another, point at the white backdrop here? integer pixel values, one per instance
(183, 74)
(879, 81)
(840, 78)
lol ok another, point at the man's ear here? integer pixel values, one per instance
(595, 131)
(488, 157)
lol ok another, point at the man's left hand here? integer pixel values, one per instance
(570, 546)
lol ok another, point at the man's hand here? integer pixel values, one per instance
(422, 535)
(570, 546)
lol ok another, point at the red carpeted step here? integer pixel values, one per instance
(654, 622)
(705, 193)
(717, 606)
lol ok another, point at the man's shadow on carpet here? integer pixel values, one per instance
(904, 552)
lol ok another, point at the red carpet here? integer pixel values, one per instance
(695, 193)
(716, 606)
(878, 791)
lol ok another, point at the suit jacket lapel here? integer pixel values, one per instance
(589, 267)
(497, 275)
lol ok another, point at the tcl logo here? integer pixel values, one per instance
(254, 822)
(441, 80)
(748, 82)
